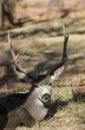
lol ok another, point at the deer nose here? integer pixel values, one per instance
(46, 97)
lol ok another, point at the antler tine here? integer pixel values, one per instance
(66, 36)
(15, 57)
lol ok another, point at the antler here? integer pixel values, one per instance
(58, 69)
(15, 57)
(66, 36)
(20, 72)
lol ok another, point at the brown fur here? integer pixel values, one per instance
(13, 112)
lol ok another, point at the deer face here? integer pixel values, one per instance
(43, 93)
(38, 101)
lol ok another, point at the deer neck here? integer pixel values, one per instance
(35, 107)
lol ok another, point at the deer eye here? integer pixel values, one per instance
(50, 84)
(36, 86)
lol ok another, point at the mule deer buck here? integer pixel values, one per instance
(25, 109)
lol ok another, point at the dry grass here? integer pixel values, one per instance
(42, 50)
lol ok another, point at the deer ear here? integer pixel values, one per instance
(56, 74)
(21, 76)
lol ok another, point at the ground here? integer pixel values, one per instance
(40, 43)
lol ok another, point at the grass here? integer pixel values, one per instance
(68, 98)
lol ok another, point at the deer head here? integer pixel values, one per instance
(40, 97)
